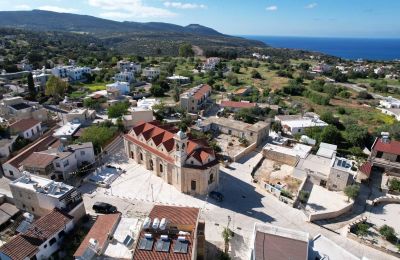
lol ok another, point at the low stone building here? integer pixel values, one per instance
(180, 160)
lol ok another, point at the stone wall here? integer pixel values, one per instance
(329, 214)
(244, 152)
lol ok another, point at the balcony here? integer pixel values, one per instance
(385, 163)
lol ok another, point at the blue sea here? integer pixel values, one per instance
(347, 48)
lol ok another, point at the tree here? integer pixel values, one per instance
(31, 85)
(331, 135)
(364, 95)
(56, 87)
(176, 94)
(352, 191)
(328, 118)
(255, 74)
(98, 135)
(118, 109)
(388, 233)
(157, 90)
(186, 50)
(227, 235)
(356, 135)
(362, 229)
(276, 126)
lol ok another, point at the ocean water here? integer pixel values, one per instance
(347, 48)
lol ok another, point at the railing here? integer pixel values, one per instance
(385, 163)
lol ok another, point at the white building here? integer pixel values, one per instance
(147, 103)
(121, 86)
(27, 128)
(67, 130)
(390, 102)
(297, 124)
(321, 68)
(151, 72)
(124, 65)
(61, 161)
(39, 196)
(211, 63)
(71, 72)
(41, 239)
(6, 146)
(125, 76)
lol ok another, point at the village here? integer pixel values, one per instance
(200, 159)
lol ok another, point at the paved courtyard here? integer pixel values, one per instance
(136, 191)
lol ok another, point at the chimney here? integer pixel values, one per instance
(385, 137)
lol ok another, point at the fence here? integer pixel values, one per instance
(330, 214)
(244, 152)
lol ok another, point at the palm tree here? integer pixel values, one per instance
(227, 235)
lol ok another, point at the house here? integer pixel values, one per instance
(125, 76)
(67, 131)
(122, 87)
(237, 105)
(39, 196)
(321, 68)
(389, 102)
(297, 124)
(81, 116)
(124, 65)
(254, 133)
(179, 79)
(195, 99)
(42, 239)
(151, 72)
(326, 169)
(97, 239)
(274, 242)
(137, 115)
(180, 160)
(29, 129)
(289, 155)
(59, 162)
(17, 108)
(13, 168)
(72, 73)
(211, 63)
(171, 233)
(40, 78)
(385, 154)
(6, 146)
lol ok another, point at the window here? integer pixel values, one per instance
(82, 152)
(229, 132)
(33, 209)
(379, 154)
(211, 179)
(23, 205)
(398, 158)
(298, 130)
(37, 128)
(338, 175)
(334, 186)
(52, 241)
(66, 163)
(141, 156)
(61, 234)
(11, 173)
(33, 132)
(132, 155)
(45, 245)
(193, 185)
(57, 164)
(20, 194)
(161, 167)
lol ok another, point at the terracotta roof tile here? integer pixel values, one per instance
(200, 93)
(175, 216)
(392, 146)
(100, 230)
(38, 160)
(366, 168)
(26, 245)
(23, 125)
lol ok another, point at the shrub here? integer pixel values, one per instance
(394, 184)
(352, 191)
(362, 229)
(286, 194)
(388, 233)
(303, 196)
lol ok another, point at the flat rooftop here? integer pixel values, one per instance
(67, 129)
(316, 164)
(41, 185)
(299, 150)
(322, 246)
(20, 106)
(235, 124)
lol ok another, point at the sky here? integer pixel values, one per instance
(315, 18)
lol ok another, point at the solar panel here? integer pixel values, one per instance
(23, 227)
(146, 244)
(163, 245)
(128, 241)
(181, 247)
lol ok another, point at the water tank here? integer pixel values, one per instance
(147, 222)
(163, 224)
(156, 223)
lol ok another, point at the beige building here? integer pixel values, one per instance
(16, 108)
(257, 132)
(80, 115)
(39, 196)
(186, 163)
(195, 99)
(137, 114)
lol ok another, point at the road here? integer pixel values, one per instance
(356, 88)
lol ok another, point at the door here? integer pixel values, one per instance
(193, 185)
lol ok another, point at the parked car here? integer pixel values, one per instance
(105, 208)
(216, 195)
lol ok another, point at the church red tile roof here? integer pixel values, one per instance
(392, 146)
(164, 134)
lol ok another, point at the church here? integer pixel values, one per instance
(179, 159)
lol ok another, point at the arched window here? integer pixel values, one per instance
(161, 167)
(211, 179)
(151, 165)
(141, 156)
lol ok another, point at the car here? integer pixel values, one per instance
(105, 208)
(216, 195)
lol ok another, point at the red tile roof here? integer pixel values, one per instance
(366, 168)
(38, 160)
(392, 147)
(40, 145)
(23, 125)
(271, 247)
(176, 216)
(202, 91)
(104, 225)
(164, 134)
(235, 104)
(26, 245)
